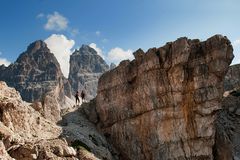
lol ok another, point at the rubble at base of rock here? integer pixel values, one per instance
(26, 135)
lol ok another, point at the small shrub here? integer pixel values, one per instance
(1, 136)
(77, 144)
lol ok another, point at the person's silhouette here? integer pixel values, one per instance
(83, 96)
(77, 98)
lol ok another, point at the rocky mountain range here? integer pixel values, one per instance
(36, 74)
(86, 66)
(179, 101)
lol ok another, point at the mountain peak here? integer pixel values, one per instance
(33, 47)
(86, 49)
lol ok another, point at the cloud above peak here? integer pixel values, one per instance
(236, 46)
(4, 61)
(40, 15)
(56, 22)
(116, 55)
(98, 33)
(236, 42)
(61, 47)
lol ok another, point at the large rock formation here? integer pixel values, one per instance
(36, 74)
(163, 104)
(86, 66)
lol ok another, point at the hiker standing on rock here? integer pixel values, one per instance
(83, 96)
(77, 98)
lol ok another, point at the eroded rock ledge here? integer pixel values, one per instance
(163, 104)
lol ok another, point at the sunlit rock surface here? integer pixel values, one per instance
(163, 104)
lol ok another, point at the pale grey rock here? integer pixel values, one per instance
(112, 66)
(79, 131)
(86, 66)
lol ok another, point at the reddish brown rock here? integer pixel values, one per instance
(162, 104)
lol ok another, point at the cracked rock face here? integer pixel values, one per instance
(26, 135)
(86, 66)
(163, 104)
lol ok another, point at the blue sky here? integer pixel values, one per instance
(114, 27)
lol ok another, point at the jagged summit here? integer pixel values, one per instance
(38, 52)
(86, 66)
(112, 66)
(38, 44)
(87, 59)
(85, 49)
(36, 74)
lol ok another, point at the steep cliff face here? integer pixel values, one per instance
(163, 104)
(232, 78)
(36, 74)
(86, 66)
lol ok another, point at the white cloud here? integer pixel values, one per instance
(74, 32)
(99, 51)
(117, 54)
(105, 40)
(236, 46)
(98, 33)
(61, 47)
(56, 22)
(4, 61)
(236, 42)
(40, 15)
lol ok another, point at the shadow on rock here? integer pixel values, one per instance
(82, 134)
